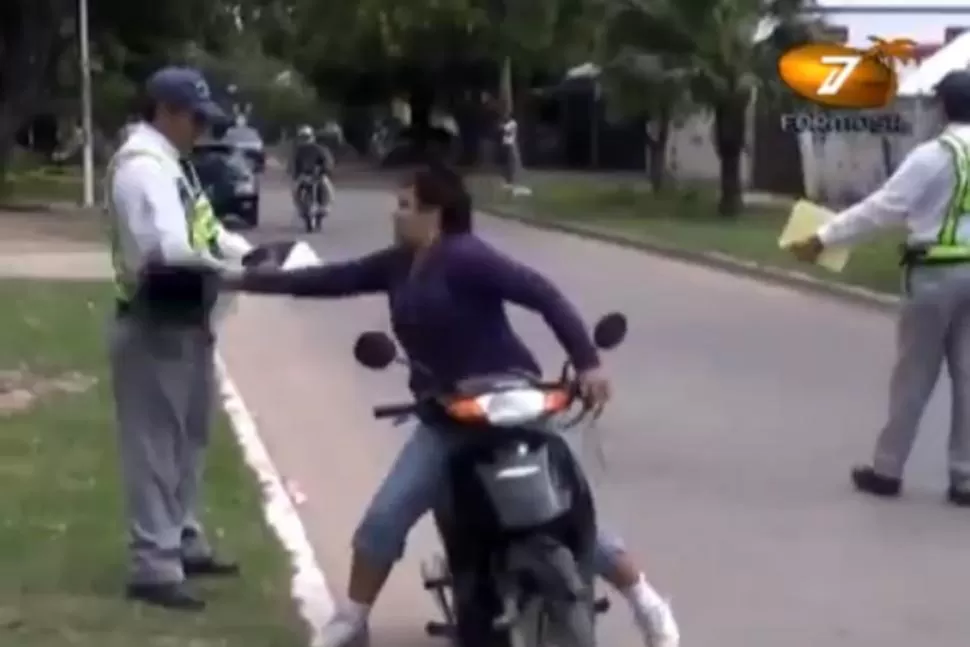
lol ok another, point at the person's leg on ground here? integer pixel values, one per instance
(328, 193)
(652, 614)
(958, 365)
(296, 186)
(149, 382)
(508, 166)
(920, 346)
(196, 553)
(409, 491)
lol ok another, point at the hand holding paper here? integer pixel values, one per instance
(800, 237)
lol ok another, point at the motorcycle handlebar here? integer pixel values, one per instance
(407, 409)
(394, 410)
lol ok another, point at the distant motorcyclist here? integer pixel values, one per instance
(312, 162)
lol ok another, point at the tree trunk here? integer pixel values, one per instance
(471, 129)
(421, 102)
(730, 202)
(29, 33)
(729, 129)
(657, 152)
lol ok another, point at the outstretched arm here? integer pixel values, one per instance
(899, 197)
(365, 275)
(481, 268)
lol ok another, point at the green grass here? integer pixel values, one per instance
(685, 218)
(42, 185)
(62, 540)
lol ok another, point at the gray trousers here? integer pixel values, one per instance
(511, 163)
(933, 328)
(163, 380)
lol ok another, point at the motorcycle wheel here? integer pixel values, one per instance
(572, 623)
(560, 622)
(529, 629)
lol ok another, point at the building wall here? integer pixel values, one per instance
(840, 169)
(691, 154)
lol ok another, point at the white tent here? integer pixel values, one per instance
(953, 56)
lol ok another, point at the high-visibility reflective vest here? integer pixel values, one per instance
(952, 245)
(200, 218)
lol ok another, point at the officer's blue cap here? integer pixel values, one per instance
(955, 84)
(185, 88)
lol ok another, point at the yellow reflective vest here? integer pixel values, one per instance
(200, 218)
(948, 248)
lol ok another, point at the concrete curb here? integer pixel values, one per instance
(716, 260)
(309, 585)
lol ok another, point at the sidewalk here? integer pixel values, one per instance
(52, 245)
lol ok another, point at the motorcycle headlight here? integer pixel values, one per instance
(245, 187)
(508, 408)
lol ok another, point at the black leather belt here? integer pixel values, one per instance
(910, 255)
(917, 256)
(164, 314)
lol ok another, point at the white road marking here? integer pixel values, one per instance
(309, 585)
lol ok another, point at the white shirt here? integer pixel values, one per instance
(509, 132)
(916, 197)
(150, 197)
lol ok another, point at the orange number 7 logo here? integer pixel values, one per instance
(843, 66)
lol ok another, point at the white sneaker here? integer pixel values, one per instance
(345, 629)
(657, 624)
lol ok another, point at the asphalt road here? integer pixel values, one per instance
(739, 408)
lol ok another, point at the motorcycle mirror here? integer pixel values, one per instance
(610, 331)
(375, 350)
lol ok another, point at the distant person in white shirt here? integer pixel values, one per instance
(511, 156)
(161, 339)
(929, 195)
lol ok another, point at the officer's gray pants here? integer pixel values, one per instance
(934, 326)
(163, 378)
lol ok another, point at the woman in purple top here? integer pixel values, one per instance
(447, 291)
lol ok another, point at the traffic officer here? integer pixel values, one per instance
(929, 194)
(161, 342)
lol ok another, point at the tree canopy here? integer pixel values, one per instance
(711, 53)
(660, 57)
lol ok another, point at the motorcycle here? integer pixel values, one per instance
(312, 203)
(516, 519)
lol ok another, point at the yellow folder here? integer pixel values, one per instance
(804, 222)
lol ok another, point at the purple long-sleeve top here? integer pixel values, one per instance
(448, 314)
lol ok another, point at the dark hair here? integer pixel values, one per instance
(440, 186)
(953, 91)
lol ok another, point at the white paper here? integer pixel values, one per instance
(806, 218)
(301, 255)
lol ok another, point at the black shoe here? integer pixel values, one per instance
(868, 480)
(959, 497)
(209, 566)
(174, 596)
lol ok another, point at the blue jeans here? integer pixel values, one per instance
(410, 490)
